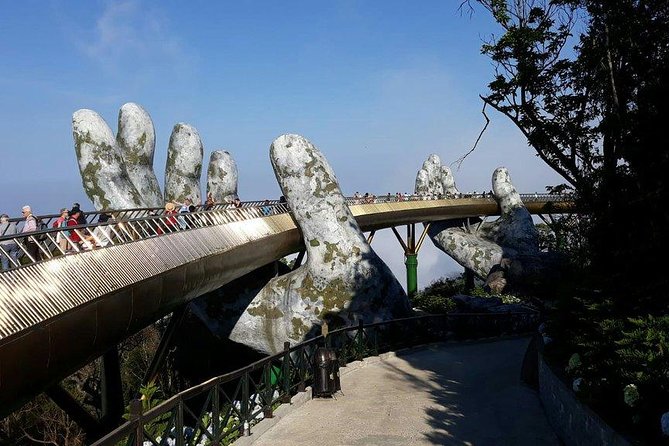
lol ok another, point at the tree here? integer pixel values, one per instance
(586, 82)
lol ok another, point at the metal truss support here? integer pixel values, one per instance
(73, 408)
(411, 248)
(165, 344)
(111, 390)
(298, 260)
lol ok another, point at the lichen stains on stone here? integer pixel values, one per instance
(314, 242)
(336, 295)
(299, 328)
(265, 311)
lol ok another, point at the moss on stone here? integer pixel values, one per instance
(332, 252)
(265, 311)
(299, 328)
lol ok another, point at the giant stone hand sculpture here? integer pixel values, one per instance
(342, 281)
(117, 173)
(222, 177)
(509, 245)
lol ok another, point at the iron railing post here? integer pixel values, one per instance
(360, 340)
(244, 406)
(285, 371)
(136, 417)
(301, 386)
(215, 416)
(179, 424)
(267, 398)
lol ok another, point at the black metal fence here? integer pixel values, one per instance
(226, 407)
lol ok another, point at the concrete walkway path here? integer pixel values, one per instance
(447, 394)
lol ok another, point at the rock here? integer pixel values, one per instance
(103, 172)
(118, 173)
(501, 252)
(664, 424)
(184, 165)
(435, 179)
(342, 281)
(496, 282)
(222, 177)
(136, 138)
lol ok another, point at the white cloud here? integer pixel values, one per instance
(132, 36)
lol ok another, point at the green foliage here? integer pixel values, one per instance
(479, 291)
(625, 360)
(150, 398)
(586, 83)
(436, 297)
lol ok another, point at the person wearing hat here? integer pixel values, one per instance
(170, 222)
(61, 222)
(9, 247)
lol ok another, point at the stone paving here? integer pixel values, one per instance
(447, 394)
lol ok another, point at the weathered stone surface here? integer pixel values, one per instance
(222, 177)
(118, 172)
(136, 138)
(435, 179)
(103, 173)
(342, 281)
(507, 248)
(184, 165)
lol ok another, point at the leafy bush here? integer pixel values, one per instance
(623, 361)
(436, 297)
(479, 291)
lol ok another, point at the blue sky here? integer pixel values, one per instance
(377, 86)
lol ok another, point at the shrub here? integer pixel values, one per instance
(436, 297)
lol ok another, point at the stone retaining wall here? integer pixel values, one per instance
(573, 421)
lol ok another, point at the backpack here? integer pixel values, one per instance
(40, 226)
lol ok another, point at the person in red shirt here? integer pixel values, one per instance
(171, 220)
(75, 214)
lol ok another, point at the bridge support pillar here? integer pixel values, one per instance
(411, 247)
(165, 344)
(112, 390)
(411, 262)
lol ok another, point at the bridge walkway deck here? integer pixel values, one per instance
(446, 394)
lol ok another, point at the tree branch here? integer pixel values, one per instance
(487, 121)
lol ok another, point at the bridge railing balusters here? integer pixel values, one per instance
(135, 224)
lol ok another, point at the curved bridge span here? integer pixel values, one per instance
(59, 314)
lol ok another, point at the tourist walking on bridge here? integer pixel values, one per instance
(75, 215)
(30, 225)
(61, 222)
(9, 247)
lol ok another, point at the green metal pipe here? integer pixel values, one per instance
(412, 274)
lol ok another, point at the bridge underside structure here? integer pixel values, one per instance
(62, 313)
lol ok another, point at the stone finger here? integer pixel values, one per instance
(103, 173)
(184, 165)
(136, 139)
(342, 281)
(469, 250)
(222, 177)
(515, 228)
